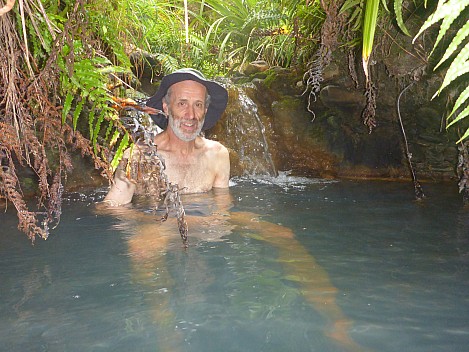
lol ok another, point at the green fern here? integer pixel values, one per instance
(76, 113)
(457, 40)
(399, 19)
(67, 106)
(124, 143)
(463, 97)
(448, 11)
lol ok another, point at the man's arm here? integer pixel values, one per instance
(122, 190)
(222, 168)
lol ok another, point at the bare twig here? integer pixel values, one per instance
(419, 195)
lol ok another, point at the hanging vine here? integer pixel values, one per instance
(330, 32)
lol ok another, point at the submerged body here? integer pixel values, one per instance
(211, 217)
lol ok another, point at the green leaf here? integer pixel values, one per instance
(447, 21)
(213, 28)
(112, 69)
(114, 138)
(385, 5)
(400, 21)
(457, 40)
(458, 67)
(448, 9)
(466, 134)
(91, 121)
(460, 116)
(109, 129)
(76, 113)
(464, 96)
(356, 18)
(120, 151)
(67, 106)
(351, 4)
(369, 27)
(222, 47)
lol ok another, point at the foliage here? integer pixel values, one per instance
(54, 67)
(369, 27)
(223, 35)
(448, 11)
(247, 30)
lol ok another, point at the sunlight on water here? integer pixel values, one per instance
(276, 264)
(283, 180)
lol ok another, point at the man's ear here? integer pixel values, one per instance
(165, 108)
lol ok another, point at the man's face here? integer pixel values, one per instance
(186, 109)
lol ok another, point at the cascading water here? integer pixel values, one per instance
(244, 133)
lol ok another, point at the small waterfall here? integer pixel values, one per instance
(244, 132)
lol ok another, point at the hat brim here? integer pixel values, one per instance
(218, 97)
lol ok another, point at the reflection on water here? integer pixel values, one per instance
(277, 264)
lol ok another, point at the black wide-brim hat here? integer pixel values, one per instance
(218, 96)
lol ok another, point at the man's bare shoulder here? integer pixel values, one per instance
(212, 146)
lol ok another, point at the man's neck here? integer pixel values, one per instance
(171, 143)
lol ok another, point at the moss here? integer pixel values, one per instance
(270, 76)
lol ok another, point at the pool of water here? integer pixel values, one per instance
(285, 264)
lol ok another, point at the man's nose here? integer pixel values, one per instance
(191, 112)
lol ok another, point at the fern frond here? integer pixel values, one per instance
(463, 97)
(466, 135)
(460, 116)
(356, 18)
(168, 62)
(109, 129)
(457, 40)
(120, 152)
(67, 107)
(399, 20)
(458, 67)
(91, 121)
(77, 112)
(444, 9)
(448, 20)
(114, 138)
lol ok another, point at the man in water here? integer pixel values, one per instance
(190, 104)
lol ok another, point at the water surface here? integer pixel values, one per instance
(285, 264)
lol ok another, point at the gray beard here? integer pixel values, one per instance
(180, 134)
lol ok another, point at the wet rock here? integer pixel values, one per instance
(338, 97)
(84, 175)
(255, 67)
(331, 71)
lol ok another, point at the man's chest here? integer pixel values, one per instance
(194, 174)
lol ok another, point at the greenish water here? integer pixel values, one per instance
(284, 264)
